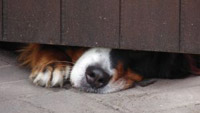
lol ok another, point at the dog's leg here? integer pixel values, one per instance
(50, 66)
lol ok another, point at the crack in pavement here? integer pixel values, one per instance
(38, 107)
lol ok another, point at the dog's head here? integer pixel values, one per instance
(95, 71)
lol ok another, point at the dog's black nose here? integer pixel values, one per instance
(96, 77)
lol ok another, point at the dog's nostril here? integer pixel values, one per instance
(96, 77)
(92, 75)
(101, 80)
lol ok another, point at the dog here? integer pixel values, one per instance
(103, 70)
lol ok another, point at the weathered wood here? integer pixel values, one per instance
(153, 25)
(90, 23)
(32, 21)
(150, 25)
(190, 26)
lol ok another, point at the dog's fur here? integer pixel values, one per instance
(52, 65)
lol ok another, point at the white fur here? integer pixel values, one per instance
(100, 56)
(42, 79)
(58, 77)
(113, 86)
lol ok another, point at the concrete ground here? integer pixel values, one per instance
(19, 95)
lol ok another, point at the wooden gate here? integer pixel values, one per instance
(153, 25)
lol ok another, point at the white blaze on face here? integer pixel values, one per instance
(92, 57)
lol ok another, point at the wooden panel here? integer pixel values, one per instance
(190, 26)
(32, 21)
(91, 22)
(150, 25)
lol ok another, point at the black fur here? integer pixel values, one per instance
(152, 64)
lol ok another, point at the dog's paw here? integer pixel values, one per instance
(51, 75)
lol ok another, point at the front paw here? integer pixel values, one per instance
(51, 75)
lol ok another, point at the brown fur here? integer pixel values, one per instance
(38, 59)
(75, 54)
(127, 75)
(34, 56)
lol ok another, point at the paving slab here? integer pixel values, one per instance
(193, 108)
(3, 64)
(160, 96)
(8, 57)
(17, 106)
(10, 73)
(69, 102)
(22, 89)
